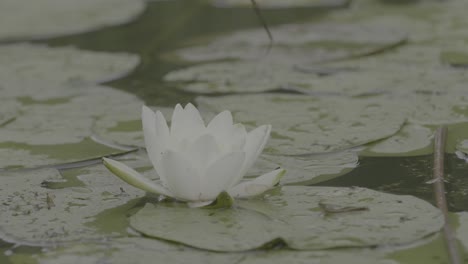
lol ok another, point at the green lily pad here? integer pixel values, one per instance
(305, 218)
(51, 104)
(411, 140)
(307, 169)
(40, 19)
(242, 76)
(435, 251)
(44, 207)
(304, 125)
(280, 3)
(40, 72)
(408, 69)
(144, 250)
(302, 42)
(430, 109)
(62, 130)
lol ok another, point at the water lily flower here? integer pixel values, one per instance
(194, 162)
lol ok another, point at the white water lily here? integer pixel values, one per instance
(194, 162)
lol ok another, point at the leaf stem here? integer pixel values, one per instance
(439, 191)
(264, 24)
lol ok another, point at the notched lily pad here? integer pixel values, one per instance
(302, 42)
(293, 215)
(44, 208)
(23, 19)
(304, 124)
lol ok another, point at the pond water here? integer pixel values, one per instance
(354, 89)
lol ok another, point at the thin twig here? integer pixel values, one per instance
(264, 24)
(439, 190)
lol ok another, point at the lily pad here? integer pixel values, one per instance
(302, 42)
(305, 218)
(307, 169)
(62, 130)
(51, 104)
(44, 208)
(409, 69)
(242, 76)
(280, 3)
(23, 19)
(41, 72)
(144, 250)
(411, 140)
(304, 124)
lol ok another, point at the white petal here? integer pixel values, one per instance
(182, 178)
(256, 141)
(156, 134)
(238, 137)
(221, 125)
(198, 204)
(203, 152)
(134, 178)
(258, 185)
(186, 123)
(219, 175)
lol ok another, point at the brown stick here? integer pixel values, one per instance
(439, 190)
(264, 24)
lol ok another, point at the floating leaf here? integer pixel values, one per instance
(61, 130)
(435, 252)
(303, 124)
(307, 169)
(243, 76)
(280, 3)
(22, 19)
(293, 215)
(44, 208)
(143, 250)
(50, 103)
(411, 140)
(302, 42)
(41, 72)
